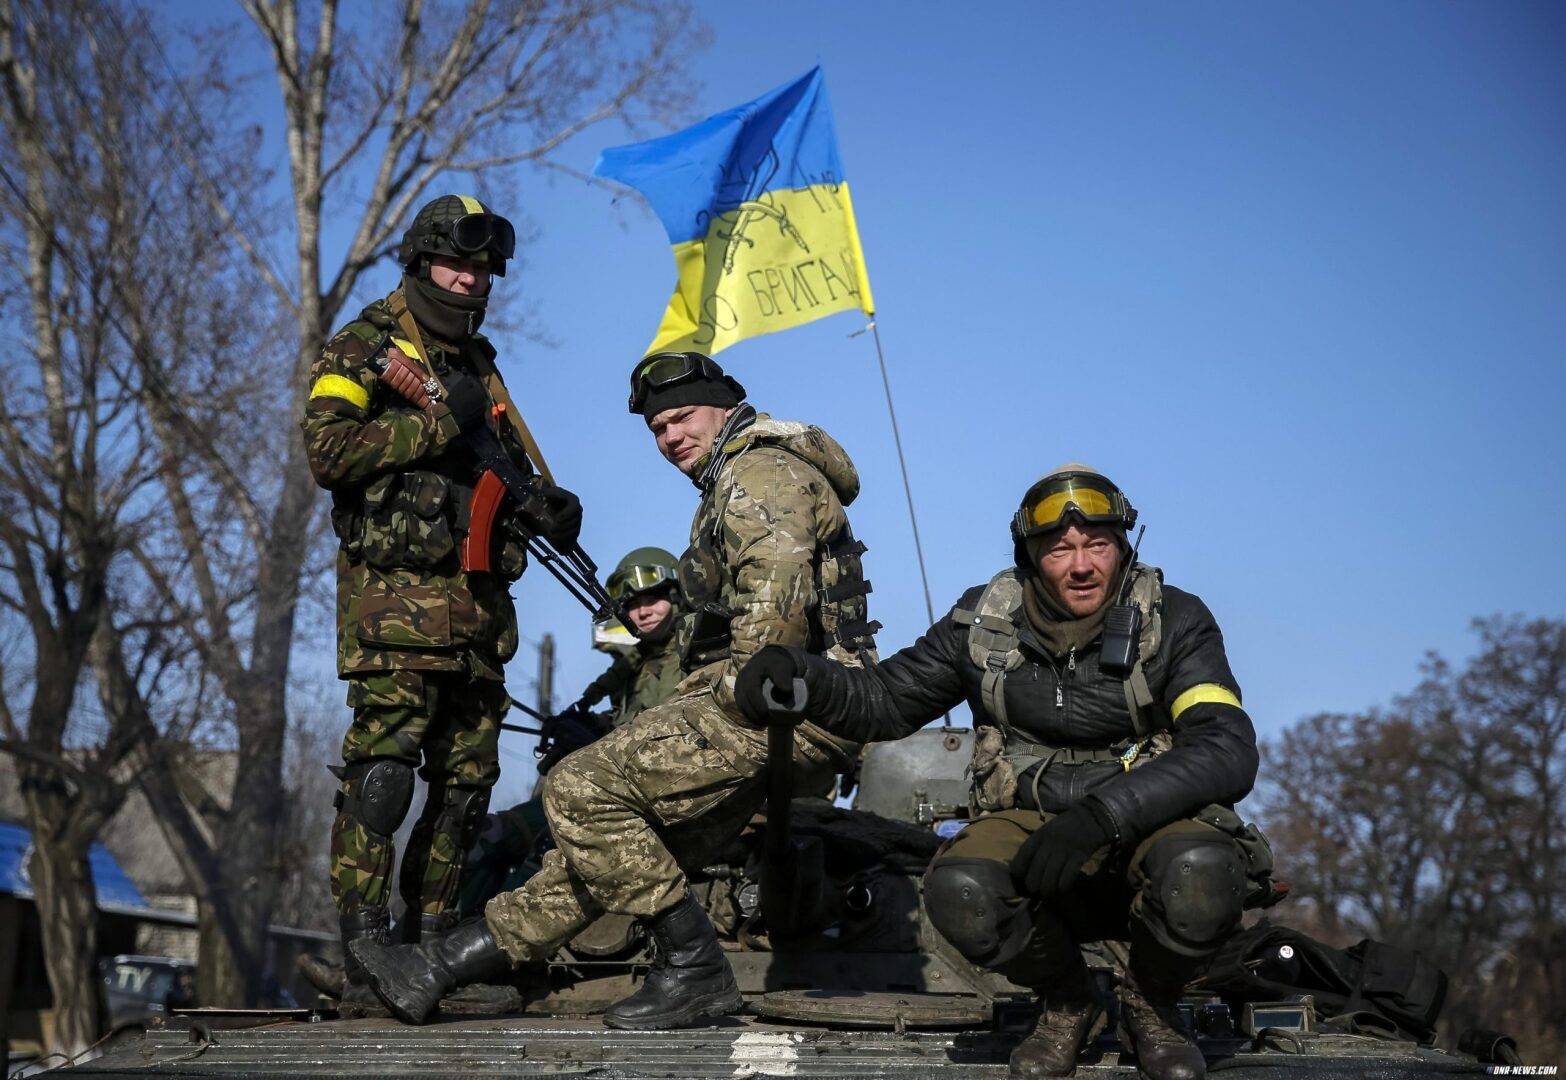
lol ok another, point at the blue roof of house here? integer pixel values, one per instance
(114, 887)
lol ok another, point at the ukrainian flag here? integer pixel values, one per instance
(756, 206)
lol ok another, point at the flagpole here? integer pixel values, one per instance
(913, 520)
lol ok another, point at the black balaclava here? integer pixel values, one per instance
(449, 316)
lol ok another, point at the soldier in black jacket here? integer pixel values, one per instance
(1110, 747)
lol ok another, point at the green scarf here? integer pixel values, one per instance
(1059, 629)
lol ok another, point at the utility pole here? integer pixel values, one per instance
(546, 675)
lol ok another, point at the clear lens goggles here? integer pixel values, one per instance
(668, 369)
(624, 584)
(473, 233)
(1091, 498)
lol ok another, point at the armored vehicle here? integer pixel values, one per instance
(820, 910)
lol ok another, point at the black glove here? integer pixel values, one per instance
(553, 513)
(567, 732)
(782, 664)
(467, 399)
(1052, 857)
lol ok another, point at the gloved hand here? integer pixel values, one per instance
(1052, 857)
(567, 732)
(467, 399)
(782, 664)
(553, 513)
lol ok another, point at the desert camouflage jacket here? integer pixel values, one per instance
(773, 559)
(401, 480)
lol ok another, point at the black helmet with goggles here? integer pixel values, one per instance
(1071, 491)
(459, 227)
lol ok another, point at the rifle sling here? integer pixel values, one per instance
(491, 376)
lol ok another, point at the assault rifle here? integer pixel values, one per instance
(500, 477)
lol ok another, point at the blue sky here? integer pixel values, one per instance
(1292, 275)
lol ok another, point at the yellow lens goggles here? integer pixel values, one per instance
(626, 583)
(1091, 498)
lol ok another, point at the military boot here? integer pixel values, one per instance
(690, 979)
(1151, 1024)
(476, 998)
(1066, 1014)
(357, 1000)
(323, 974)
(412, 979)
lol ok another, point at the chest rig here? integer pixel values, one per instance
(1002, 753)
(838, 614)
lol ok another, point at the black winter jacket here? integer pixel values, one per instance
(1067, 702)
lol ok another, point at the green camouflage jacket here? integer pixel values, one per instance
(772, 555)
(638, 679)
(401, 481)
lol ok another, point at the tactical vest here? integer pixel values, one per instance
(414, 519)
(1001, 753)
(839, 614)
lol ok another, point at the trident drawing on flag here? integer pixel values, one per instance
(755, 203)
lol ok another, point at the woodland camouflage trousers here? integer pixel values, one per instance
(451, 721)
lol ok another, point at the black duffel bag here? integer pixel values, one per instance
(1371, 988)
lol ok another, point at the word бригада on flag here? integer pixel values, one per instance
(756, 206)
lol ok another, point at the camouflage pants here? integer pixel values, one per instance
(668, 790)
(1115, 898)
(452, 721)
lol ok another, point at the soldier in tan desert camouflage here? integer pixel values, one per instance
(772, 561)
(421, 641)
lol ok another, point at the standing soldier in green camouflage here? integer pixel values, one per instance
(645, 675)
(772, 561)
(421, 641)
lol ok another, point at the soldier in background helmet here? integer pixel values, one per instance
(1109, 749)
(647, 582)
(422, 642)
(640, 677)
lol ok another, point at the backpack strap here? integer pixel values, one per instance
(1147, 714)
(992, 640)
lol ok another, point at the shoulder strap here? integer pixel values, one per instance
(498, 391)
(1147, 713)
(992, 639)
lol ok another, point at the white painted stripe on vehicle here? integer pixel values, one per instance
(774, 1053)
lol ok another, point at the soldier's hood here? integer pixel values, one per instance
(804, 441)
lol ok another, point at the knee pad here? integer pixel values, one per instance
(377, 793)
(1195, 891)
(975, 905)
(461, 811)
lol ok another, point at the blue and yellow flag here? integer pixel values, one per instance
(757, 209)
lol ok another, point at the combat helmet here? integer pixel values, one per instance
(643, 569)
(1073, 490)
(458, 227)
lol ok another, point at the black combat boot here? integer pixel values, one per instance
(1066, 1014)
(412, 979)
(475, 999)
(356, 999)
(1150, 1017)
(690, 979)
